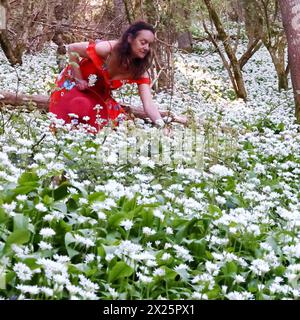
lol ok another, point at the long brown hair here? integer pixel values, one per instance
(136, 66)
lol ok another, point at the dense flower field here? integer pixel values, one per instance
(219, 219)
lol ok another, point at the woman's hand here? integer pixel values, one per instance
(181, 119)
(167, 131)
(82, 84)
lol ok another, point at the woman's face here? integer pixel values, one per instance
(140, 45)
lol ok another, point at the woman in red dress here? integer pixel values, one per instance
(84, 86)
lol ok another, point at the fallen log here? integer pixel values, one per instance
(19, 99)
(42, 102)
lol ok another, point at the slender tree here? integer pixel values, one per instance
(290, 10)
(262, 21)
(234, 68)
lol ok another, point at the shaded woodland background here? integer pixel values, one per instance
(273, 24)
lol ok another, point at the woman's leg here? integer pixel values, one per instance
(73, 102)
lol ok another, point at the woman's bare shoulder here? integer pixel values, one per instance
(104, 47)
(146, 74)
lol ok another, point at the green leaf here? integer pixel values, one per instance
(184, 275)
(213, 294)
(20, 222)
(253, 285)
(119, 270)
(101, 251)
(60, 206)
(65, 226)
(184, 230)
(68, 240)
(26, 188)
(3, 216)
(115, 219)
(148, 218)
(20, 236)
(230, 268)
(2, 278)
(31, 263)
(27, 177)
(61, 192)
(212, 209)
(96, 196)
(129, 205)
(47, 200)
(198, 247)
(169, 273)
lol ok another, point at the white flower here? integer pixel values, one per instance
(45, 245)
(47, 291)
(157, 213)
(109, 257)
(83, 201)
(85, 241)
(61, 279)
(41, 207)
(169, 230)
(148, 231)
(47, 232)
(182, 266)
(159, 272)
(220, 200)
(9, 207)
(143, 278)
(98, 107)
(212, 268)
(112, 158)
(183, 253)
(166, 256)
(235, 295)
(24, 142)
(113, 293)
(21, 197)
(92, 80)
(101, 215)
(72, 190)
(23, 272)
(89, 258)
(259, 267)
(73, 115)
(87, 284)
(28, 289)
(239, 279)
(127, 224)
(199, 296)
(220, 171)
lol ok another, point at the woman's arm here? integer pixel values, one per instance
(150, 107)
(78, 50)
(75, 51)
(152, 111)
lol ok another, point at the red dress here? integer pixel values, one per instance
(94, 105)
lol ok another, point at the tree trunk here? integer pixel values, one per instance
(13, 56)
(3, 15)
(290, 10)
(163, 72)
(59, 14)
(120, 16)
(184, 37)
(185, 41)
(239, 85)
(253, 21)
(282, 76)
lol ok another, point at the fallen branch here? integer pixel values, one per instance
(13, 99)
(41, 102)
